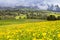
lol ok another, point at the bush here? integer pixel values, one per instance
(51, 17)
(58, 18)
(0, 18)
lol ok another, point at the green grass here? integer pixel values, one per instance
(19, 21)
(12, 21)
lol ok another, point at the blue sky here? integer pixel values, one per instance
(27, 2)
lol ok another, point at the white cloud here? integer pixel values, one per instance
(28, 2)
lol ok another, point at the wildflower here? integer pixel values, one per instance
(53, 35)
(40, 39)
(10, 39)
(58, 35)
(44, 34)
(34, 34)
(50, 39)
(34, 39)
(17, 39)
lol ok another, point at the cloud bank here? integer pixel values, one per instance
(28, 2)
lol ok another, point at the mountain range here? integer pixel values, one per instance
(33, 4)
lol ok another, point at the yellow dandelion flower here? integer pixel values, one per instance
(50, 39)
(44, 34)
(34, 39)
(53, 35)
(10, 39)
(58, 35)
(42, 39)
(34, 34)
(17, 39)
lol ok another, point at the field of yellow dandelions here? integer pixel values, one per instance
(49, 30)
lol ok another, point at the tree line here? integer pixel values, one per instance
(26, 14)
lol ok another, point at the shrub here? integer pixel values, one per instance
(58, 18)
(51, 17)
(17, 17)
(0, 18)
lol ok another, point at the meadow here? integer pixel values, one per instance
(29, 30)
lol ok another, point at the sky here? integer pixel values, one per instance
(28, 2)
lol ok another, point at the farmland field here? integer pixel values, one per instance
(28, 30)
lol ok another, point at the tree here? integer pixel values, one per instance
(51, 17)
(58, 18)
